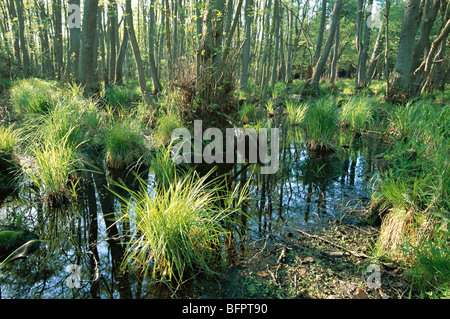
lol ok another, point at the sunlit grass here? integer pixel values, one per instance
(247, 113)
(296, 112)
(165, 125)
(321, 124)
(55, 168)
(180, 228)
(33, 96)
(358, 114)
(9, 165)
(124, 143)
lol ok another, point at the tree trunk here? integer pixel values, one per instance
(386, 49)
(323, 19)
(88, 62)
(335, 56)
(403, 65)
(247, 45)
(361, 76)
(318, 69)
(74, 48)
(112, 26)
(23, 44)
(154, 71)
(121, 58)
(276, 20)
(375, 54)
(137, 54)
(422, 46)
(58, 44)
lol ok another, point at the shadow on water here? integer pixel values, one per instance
(87, 238)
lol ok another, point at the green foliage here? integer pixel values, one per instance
(57, 164)
(33, 96)
(179, 228)
(164, 127)
(8, 140)
(296, 112)
(247, 113)
(321, 123)
(431, 272)
(124, 143)
(358, 113)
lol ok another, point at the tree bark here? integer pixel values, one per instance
(318, 69)
(23, 44)
(112, 26)
(121, 57)
(247, 45)
(87, 62)
(137, 54)
(58, 44)
(321, 32)
(403, 64)
(154, 71)
(74, 48)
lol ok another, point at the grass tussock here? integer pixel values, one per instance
(357, 113)
(33, 96)
(124, 144)
(321, 125)
(180, 228)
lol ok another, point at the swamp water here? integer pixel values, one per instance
(82, 250)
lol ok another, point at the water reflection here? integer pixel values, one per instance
(307, 190)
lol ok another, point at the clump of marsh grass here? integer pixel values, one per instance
(9, 164)
(124, 144)
(321, 125)
(357, 113)
(247, 113)
(180, 228)
(162, 134)
(296, 112)
(416, 185)
(33, 97)
(55, 171)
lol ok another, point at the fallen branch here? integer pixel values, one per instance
(356, 254)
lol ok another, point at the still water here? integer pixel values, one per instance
(83, 244)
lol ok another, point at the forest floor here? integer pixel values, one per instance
(323, 263)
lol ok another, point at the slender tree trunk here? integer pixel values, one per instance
(386, 48)
(88, 62)
(321, 32)
(375, 54)
(422, 46)
(403, 65)
(362, 58)
(112, 26)
(58, 44)
(23, 44)
(121, 57)
(276, 18)
(137, 54)
(154, 71)
(318, 69)
(335, 56)
(15, 29)
(74, 48)
(247, 46)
